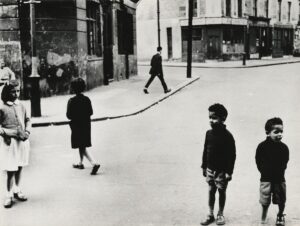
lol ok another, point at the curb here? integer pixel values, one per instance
(228, 67)
(66, 122)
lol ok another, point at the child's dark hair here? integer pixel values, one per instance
(219, 110)
(77, 85)
(5, 95)
(271, 123)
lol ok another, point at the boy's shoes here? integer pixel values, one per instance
(146, 91)
(95, 169)
(20, 197)
(210, 219)
(280, 221)
(263, 222)
(78, 166)
(168, 90)
(8, 202)
(220, 219)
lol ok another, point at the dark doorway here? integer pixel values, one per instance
(169, 43)
(213, 47)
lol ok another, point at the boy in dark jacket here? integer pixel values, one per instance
(218, 161)
(272, 157)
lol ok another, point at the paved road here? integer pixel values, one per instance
(150, 172)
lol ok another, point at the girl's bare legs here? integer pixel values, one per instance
(8, 201)
(17, 191)
(87, 155)
(9, 182)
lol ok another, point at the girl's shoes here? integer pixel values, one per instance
(78, 166)
(20, 197)
(95, 169)
(8, 202)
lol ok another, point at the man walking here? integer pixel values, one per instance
(156, 70)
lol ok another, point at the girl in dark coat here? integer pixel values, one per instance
(79, 111)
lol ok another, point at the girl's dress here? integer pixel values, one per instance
(79, 111)
(12, 116)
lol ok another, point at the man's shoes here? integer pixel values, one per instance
(220, 219)
(20, 197)
(280, 221)
(95, 169)
(168, 90)
(146, 91)
(78, 166)
(8, 202)
(210, 219)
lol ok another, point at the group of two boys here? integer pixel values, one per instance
(219, 156)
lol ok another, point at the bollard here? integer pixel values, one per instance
(244, 58)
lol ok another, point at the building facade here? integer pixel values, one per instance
(226, 29)
(92, 39)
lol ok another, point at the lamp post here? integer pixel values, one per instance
(190, 35)
(158, 23)
(35, 94)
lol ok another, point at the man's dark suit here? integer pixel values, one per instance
(156, 70)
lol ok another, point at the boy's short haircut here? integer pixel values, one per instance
(77, 85)
(272, 122)
(219, 110)
(158, 48)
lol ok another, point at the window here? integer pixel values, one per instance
(93, 28)
(228, 7)
(182, 12)
(240, 9)
(255, 8)
(125, 32)
(279, 10)
(267, 8)
(289, 11)
(195, 8)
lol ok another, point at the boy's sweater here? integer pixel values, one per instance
(271, 160)
(219, 150)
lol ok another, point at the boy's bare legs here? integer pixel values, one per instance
(281, 209)
(222, 200)
(211, 204)
(264, 213)
(212, 189)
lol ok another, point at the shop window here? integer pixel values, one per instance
(93, 28)
(125, 32)
(196, 33)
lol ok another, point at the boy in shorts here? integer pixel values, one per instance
(272, 157)
(218, 161)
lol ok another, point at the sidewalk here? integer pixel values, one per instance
(126, 97)
(118, 99)
(231, 64)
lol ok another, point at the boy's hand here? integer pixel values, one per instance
(228, 177)
(204, 172)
